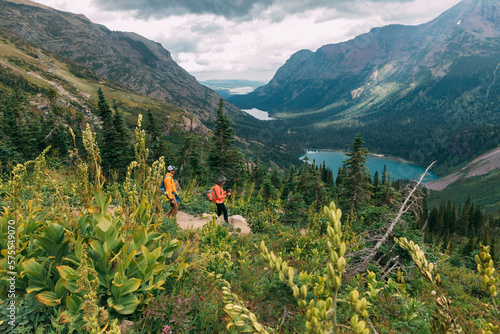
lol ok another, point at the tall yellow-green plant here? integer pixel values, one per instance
(141, 152)
(321, 313)
(90, 143)
(81, 186)
(130, 189)
(142, 186)
(17, 181)
(16, 184)
(486, 268)
(442, 320)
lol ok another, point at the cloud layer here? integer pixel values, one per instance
(248, 39)
(235, 10)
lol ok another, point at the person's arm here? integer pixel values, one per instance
(219, 192)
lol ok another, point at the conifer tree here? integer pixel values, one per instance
(224, 159)
(122, 143)
(116, 148)
(340, 176)
(189, 159)
(384, 175)
(12, 108)
(155, 143)
(356, 185)
(107, 133)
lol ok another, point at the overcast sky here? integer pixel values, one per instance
(248, 39)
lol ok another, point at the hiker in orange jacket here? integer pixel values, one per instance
(170, 191)
(220, 194)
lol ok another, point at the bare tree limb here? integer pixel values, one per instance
(403, 209)
(389, 271)
(371, 325)
(389, 263)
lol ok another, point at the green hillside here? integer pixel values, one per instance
(484, 190)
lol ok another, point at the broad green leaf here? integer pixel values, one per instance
(70, 285)
(126, 305)
(97, 246)
(60, 290)
(31, 265)
(131, 285)
(74, 303)
(104, 224)
(64, 271)
(48, 298)
(35, 287)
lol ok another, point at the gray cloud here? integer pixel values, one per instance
(204, 28)
(239, 10)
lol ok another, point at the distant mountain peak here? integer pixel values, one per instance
(480, 17)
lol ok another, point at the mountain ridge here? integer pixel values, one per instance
(423, 93)
(127, 58)
(396, 46)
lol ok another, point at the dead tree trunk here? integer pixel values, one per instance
(371, 255)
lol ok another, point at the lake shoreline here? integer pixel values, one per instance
(397, 167)
(378, 155)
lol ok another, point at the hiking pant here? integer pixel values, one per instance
(221, 208)
(174, 207)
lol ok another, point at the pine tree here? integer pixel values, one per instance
(384, 175)
(107, 134)
(189, 159)
(13, 106)
(356, 185)
(340, 176)
(123, 148)
(224, 159)
(375, 180)
(156, 145)
(114, 138)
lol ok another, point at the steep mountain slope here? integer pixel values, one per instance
(39, 74)
(127, 58)
(422, 92)
(480, 179)
(386, 61)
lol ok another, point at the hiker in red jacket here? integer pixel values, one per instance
(220, 195)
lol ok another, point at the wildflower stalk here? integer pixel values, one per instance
(242, 318)
(81, 187)
(321, 315)
(442, 319)
(93, 315)
(90, 143)
(16, 184)
(486, 268)
(141, 152)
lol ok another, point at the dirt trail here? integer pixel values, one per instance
(188, 221)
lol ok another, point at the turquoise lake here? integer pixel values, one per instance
(399, 169)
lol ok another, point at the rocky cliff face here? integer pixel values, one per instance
(390, 60)
(126, 58)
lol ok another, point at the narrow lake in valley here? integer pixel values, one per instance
(259, 114)
(398, 169)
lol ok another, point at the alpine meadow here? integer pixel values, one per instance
(136, 199)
